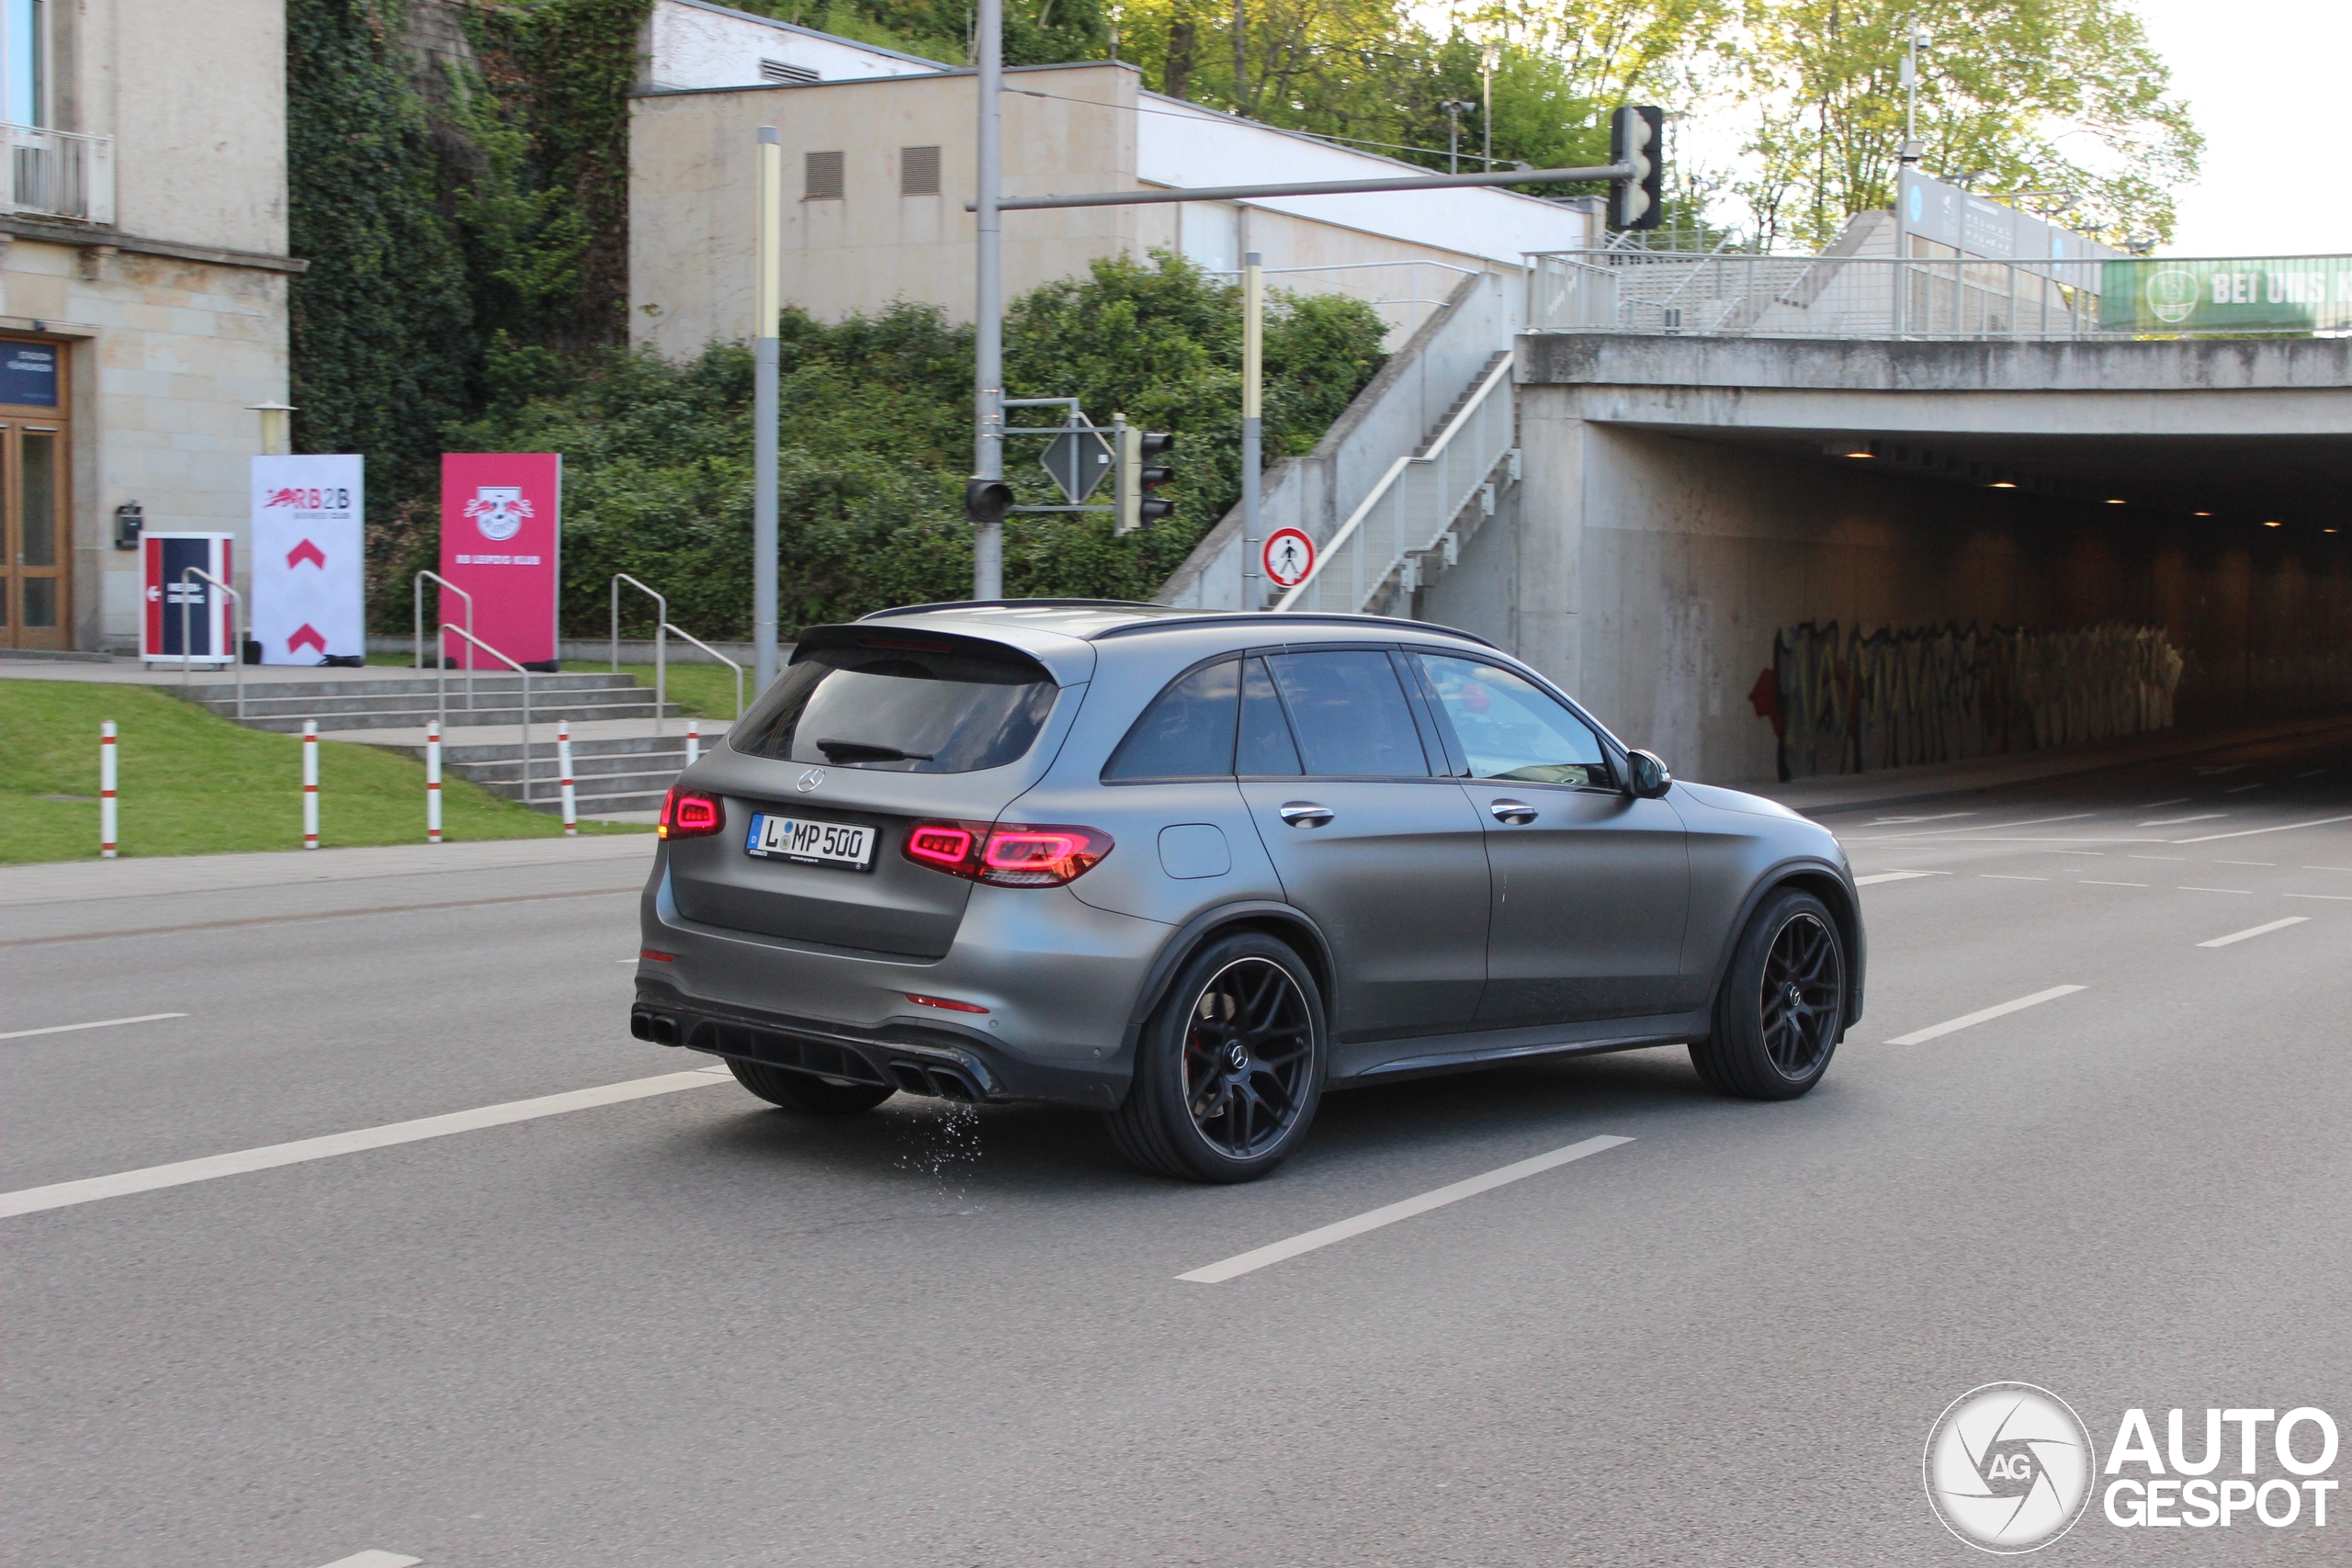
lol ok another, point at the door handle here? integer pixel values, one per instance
(1518, 812)
(1303, 813)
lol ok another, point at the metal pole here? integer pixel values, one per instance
(106, 790)
(1253, 375)
(309, 784)
(431, 783)
(563, 777)
(1487, 57)
(988, 368)
(767, 313)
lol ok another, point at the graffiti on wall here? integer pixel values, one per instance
(1846, 702)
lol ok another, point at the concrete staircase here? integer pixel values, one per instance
(619, 764)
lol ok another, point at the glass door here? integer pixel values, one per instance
(34, 597)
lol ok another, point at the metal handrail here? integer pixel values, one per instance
(1397, 469)
(448, 587)
(714, 654)
(237, 628)
(661, 650)
(442, 689)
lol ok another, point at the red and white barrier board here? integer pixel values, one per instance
(310, 566)
(164, 558)
(502, 531)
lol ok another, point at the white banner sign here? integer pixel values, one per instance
(309, 557)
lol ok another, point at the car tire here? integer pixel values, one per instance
(1782, 1010)
(805, 1092)
(1199, 1110)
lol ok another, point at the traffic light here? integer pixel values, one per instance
(1134, 476)
(1637, 136)
(987, 500)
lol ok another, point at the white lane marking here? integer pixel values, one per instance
(1969, 1021)
(63, 1194)
(2240, 789)
(2094, 882)
(1980, 827)
(1996, 876)
(93, 1023)
(2331, 898)
(2312, 774)
(2255, 930)
(2155, 857)
(1874, 878)
(1324, 1235)
(1905, 821)
(374, 1559)
(2177, 821)
(2185, 888)
(2155, 805)
(2232, 768)
(2245, 862)
(2092, 855)
(2250, 832)
(2328, 868)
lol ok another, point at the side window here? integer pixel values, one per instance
(1186, 733)
(1350, 715)
(1267, 750)
(1510, 727)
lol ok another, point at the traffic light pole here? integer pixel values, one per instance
(988, 381)
(1254, 366)
(767, 309)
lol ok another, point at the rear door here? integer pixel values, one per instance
(1591, 887)
(1368, 837)
(878, 730)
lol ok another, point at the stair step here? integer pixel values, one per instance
(589, 681)
(458, 719)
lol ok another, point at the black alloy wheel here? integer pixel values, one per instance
(1781, 1008)
(1229, 1069)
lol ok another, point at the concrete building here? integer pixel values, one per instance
(143, 282)
(878, 165)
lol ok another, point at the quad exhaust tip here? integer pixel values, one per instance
(929, 1079)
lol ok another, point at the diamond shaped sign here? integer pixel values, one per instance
(1078, 460)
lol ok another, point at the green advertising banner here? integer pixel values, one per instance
(2271, 294)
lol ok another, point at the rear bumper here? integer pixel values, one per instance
(946, 1062)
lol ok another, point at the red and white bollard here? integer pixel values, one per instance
(694, 744)
(431, 783)
(563, 770)
(309, 784)
(106, 790)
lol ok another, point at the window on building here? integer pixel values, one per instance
(918, 171)
(784, 71)
(24, 65)
(823, 177)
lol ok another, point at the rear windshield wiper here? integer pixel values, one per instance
(865, 751)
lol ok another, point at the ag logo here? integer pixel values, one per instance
(810, 780)
(498, 511)
(2009, 1467)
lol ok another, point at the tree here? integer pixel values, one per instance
(2008, 82)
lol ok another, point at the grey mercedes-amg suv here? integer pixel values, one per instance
(1192, 868)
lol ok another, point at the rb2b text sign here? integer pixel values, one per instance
(501, 533)
(309, 569)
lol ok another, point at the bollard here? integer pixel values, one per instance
(694, 744)
(309, 784)
(563, 772)
(431, 783)
(106, 790)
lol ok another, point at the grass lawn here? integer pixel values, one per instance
(701, 691)
(191, 783)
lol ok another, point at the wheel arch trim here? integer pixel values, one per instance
(1825, 881)
(1276, 918)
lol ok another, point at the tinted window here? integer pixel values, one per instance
(1267, 750)
(913, 708)
(1511, 728)
(1350, 715)
(1186, 733)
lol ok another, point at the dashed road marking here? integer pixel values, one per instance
(2094, 882)
(1997, 876)
(2255, 930)
(1878, 876)
(1985, 1015)
(2240, 789)
(2179, 822)
(374, 1559)
(2282, 828)
(2331, 897)
(93, 1023)
(2184, 887)
(1324, 1235)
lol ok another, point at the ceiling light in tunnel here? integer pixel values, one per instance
(2271, 525)
(2002, 484)
(1858, 454)
(2115, 501)
(2200, 514)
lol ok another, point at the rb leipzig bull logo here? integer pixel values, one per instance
(498, 511)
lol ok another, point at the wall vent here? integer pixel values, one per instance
(918, 171)
(784, 71)
(823, 177)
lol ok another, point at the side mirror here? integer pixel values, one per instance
(1648, 776)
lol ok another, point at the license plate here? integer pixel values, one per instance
(810, 843)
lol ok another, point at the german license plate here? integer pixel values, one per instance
(810, 843)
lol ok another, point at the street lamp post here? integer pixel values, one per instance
(767, 310)
(1253, 377)
(988, 378)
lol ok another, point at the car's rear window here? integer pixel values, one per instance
(906, 707)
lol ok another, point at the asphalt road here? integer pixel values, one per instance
(688, 1329)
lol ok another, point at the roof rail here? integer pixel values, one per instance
(1387, 626)
(1018, 603)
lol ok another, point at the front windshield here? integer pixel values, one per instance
(907, 707)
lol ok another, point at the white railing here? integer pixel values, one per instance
(1375, 555)
(58, 174)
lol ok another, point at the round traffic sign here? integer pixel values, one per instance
(1290, 556)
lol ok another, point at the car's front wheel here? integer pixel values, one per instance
(805, 1091)
(1229, 1069)
(1782, 1006)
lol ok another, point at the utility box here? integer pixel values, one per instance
(170, 597)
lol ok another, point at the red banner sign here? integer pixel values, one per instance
(501, 538)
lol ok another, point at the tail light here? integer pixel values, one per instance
(1006, 855)
(687, 814)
